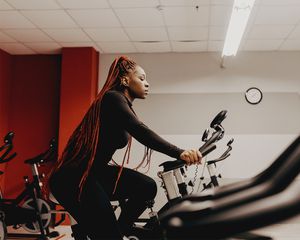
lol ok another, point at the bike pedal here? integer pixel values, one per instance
(53, 234)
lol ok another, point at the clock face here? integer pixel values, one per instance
(253, 95)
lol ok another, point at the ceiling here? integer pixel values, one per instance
(143, 26)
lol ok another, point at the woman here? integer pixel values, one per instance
(84, 183)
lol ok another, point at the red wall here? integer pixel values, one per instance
(79, 82)
(79, 85)
(41, 97)
(5, 81)
(5, 91)
(34, 110)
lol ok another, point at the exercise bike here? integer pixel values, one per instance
(211, 166)
(28, 210)
(7, 147)
(173, 180)
(47, 214)
(242, 206)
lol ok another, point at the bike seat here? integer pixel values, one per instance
(35, 160)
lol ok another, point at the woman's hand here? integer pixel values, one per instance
(192, 156)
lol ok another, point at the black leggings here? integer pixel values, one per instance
(94, 212)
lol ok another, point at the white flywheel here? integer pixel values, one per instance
(44, 209)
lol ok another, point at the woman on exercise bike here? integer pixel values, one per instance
(84, 182)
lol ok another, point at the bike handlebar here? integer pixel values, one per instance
(207, 147)
(225, 155)
(8, 146)
(171, 165)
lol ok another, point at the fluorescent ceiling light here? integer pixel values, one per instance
(239, 17)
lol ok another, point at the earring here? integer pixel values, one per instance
(123, 83)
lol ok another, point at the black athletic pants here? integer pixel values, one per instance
(94, 212)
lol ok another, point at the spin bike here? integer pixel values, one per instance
(173, 181)
(47, 214)
(7, 147)
(28, 210)
(211, 166)
(267, 198)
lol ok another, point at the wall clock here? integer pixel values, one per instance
(253, 95)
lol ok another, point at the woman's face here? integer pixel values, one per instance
(138, 86)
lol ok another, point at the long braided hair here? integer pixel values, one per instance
(82, 144)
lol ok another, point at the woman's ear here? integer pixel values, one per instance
(125, 81)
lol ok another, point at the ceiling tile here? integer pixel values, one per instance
(117, 47)
(278, 15)
(149, 24)
(269, 31)
(199, 46)
(184, 2)
(261, 45)
(217, 32)
(67, 35)
(186, 16)
(290, 45)
(107, 34)
(220, 15)
(28, 35)
(16, 48)
(133, 3)
(5, 38)
(4, 5)
(251, 20)
(45, 48)
(93, 18)
(34, 4)
(80, 4)
(188, 33)
(215, 46)
(295, 33)
(152, 47)
(140, 17)
(50, 18)
(147, 34)
(13, 19)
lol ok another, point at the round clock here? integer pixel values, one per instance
(253, 95)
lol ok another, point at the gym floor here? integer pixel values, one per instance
(288, 230)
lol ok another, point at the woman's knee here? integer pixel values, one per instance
(149, 190)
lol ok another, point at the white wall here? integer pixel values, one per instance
(188, 90)
(200, 73)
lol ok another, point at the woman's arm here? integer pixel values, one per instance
(121, 108)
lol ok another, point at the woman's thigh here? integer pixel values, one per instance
(91, 209)
(131, 183)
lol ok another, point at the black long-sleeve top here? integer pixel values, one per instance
(117, 121)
